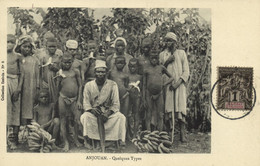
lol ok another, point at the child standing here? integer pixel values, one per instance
(49, 66)
(70, 97)
(14, 84)
(72, 49)
(134, 93)
(153, 82)
(30, 63)
(122, 80)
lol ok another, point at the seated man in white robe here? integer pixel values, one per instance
(102, 119)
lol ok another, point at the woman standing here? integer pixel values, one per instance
(30, 86)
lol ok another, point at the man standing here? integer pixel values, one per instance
(101, 105)
(176, 62)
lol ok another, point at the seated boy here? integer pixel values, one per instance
(44, 114)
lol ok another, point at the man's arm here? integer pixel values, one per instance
(86, 98)
(83, 69)
(79, 82)
(165, 71)
(21, 77)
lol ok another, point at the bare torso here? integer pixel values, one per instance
(44, 113)
(69, 84)
(12, 63)
(154, 79)
(134, 77)
(120, 78)
(90, 65)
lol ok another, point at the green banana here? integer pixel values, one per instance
(150, 148)
(35, 124)
(49, 147)
(156, 132)
(163, 133)
(159, 149)
(34, 148)
(34, 145)
(154, 143)
(153, 139)
(145, 139)
(154, 147)
(166, 143)
(141, 146)
(164, 149)
(154, 135)
(36, 135)
(165, 137)
(32, 127)
(146, 147)
(45, 150)
(133, 140)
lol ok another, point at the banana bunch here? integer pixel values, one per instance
(152, 142)
(39, 140)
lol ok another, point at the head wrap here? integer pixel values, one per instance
(120, 38)
(48, 35)
(58, 52)
(100, 63)
(119, 32)
(171, 35)
(92, 42)
(72, 44)
(22, 40)
(147, 41)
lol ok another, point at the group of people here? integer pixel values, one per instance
(99, 97)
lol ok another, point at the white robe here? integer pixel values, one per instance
(179, 69)
(108, 99)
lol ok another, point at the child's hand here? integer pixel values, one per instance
(171, 88)
(80, 107)
(176, 85)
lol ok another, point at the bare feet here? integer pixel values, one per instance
(12, 145)
(66, 148)
(78, 144)
(55, 147)
(87, 145)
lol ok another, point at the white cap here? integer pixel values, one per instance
(171, 35)
(100, 63)
(72, 44)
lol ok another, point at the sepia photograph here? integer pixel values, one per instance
(110, 80)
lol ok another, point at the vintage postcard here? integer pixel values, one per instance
(130, 83)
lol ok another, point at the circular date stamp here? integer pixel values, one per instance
(235, 94)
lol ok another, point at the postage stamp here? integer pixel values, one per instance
(235, 88)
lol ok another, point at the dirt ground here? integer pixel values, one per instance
(197, 143)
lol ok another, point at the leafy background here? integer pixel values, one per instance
(193, 31)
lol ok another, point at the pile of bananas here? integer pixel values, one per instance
(39, 140)
(152, 142)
